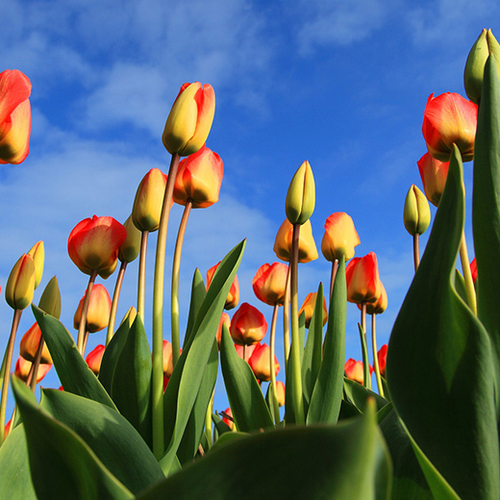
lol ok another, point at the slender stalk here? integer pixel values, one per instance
(335, 268)
(416, 251)
(208, 420)
(275, 412)
(286, 318)
(366, 365)
(141, 281)
(174, 297)
(6, 372)
(294, 313)
(375, 357)
(114, 304)
(363, 317)
(469, 283)
(85, 309)
(245, 352)
(33, 374)
(85, 340)
(158, 289)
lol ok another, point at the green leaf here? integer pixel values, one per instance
(109, 435)
(198, 294)
(327, 394)
(439, 366)
(249, 408)
(358, 395)
(345, 462)
(73, 371)
(61, 464)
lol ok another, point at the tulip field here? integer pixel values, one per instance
(134, 417)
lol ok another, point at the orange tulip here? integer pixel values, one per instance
(98, 312)
(29, 345)
(168, 366)
(228, 421)
(449, 119)
(308, 308)
(224, 320)
(363, 283)
(15, 116)
(433, 173)
(259, 363)
(340, 237)
(354, 370)
(382, 357)
(283, 242)
(269, 283)
(94, 358)
(380, 305)
(93, 245)
(190, 119)
(199, 179)
(280, 393)
(23, 367)
(233, 297)
(248, 325)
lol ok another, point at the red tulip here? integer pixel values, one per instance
(93, 245)
(98, 312)
(269, 283)
(354, 370)
(224, 320)
(29, 345)
(199, 179)
(363, 283)
(94, 358)
(433, 173)
(380, 305)
(382, 357)
(15, 116)
(449, 119)
(340, 237)
(259, 363)
(248, 325)
(473, 269)
(228, 421)
(233, 297)
(308, 308)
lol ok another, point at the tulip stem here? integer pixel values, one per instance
(297, 402)
(33, 375)
(6, 371)
(141, 280)
(114, 305)
(158, 289)
(469, 283)
(85, 309)
(416, 251)
(174, 296)
(366, 365)
(375, 357)
(335, 268)
(275, 412)
(286, 318)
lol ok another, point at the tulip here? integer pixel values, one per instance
(228, 421)
(98, 312)
(417, 214)
(93, 245)
(7, 427)
(379, 306)
(473, 269)
(129, 249)
(190, 119)
(259, 363)
(199, 179)
(248, 325)
(308, 308)
(354, 370)
(29, 345)
(382, 357)
(340, 237)
(37, 252)
(484, 46)
(94, 358)
(269, 283)
(15, 116)
(23, 368)
(280, 393)
(21, 283)
(433, 173)
(244, 352)
(363, 283)
(449, 119)
(148, 200)
(301, 196)
(224, 320)
(168, 366)
(283, 242)
(233, 297)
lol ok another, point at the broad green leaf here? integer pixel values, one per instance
(198, 294)
(249, 408)
(439, 365)
(109, 435)
(327, 394)
(345, 462)
(62, 465)
(358, 395)
(73, 371)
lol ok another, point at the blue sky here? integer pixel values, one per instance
(342, 84)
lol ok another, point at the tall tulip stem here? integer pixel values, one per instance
(33, 374)
(141, 279)
(375, 357)
(158, 289)
(114, 305)
(272, 348)
(174, 297)
(469, 283)
(85, 309)
(286, 318)
(366, 365)
(416, 251)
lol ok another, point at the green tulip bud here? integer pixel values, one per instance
(301, 196)
(21, 283)
(417, 214)
(50, 301)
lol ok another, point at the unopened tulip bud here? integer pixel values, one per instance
(50, 301)
(354, 370)
(280, 393)
(129, 249)
(283, 242)
(224, 320)
(308, 308)
(94, 358)
(190, 119)
(433, 174)
(380, 305)
(259, 363)
(301, 196)
(98, 312)
(21, 283)
(340, 237)
(248, 325)
(130, 316)
(382, 358)
(417, 214)
(37, 252)
(29, 345)
(23, 367)
(269, 283)
(233, 297)
(362, 277)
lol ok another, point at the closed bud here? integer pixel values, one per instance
(29, 345)
(98, 312)
(301, 196)
(37, 252)
(340, 237)
(308, 308)
(417, 214)
(94, 358)
(50, 301)
(21, 283)
(259, 363)
(129, 249)
(130, 316)
(283, 242)
(362, 277)
(248, 325)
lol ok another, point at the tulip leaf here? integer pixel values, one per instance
(108, 434)
(327, 394)
(248, 405)
(198, 293)
(439, 364)
(358, 395)
(187, 377)
(62, 465)
(347, 461)
(486, 210)
(73, 371)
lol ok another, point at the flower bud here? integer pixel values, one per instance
(130, 316)
(269, 283)
(363, 283)
(433, 174)
(280, 393)
(301, 196)
(417, 214)
(283, 242)
(21, 283)
(354, 370)
(340, 237)
(382, 357)
(23, 367)
(380, 305)
(308, 308)
(37, 252)
(129, 249)
(473, 269)
(259, 363)
(248, 325)
(148, 201)
(224, 320)
(98, 312)
(233, 297)
(190, 119)
(29, 345)
(199, 179)
(50, 301)
(94, 358)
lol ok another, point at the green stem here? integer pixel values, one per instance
(158, 289)
(416, 251)
(375, 358)
(141, 281)
(286, 318)
(32, 376)
(6, 371)
(85, 309)
(114, 304)
(208, 420)
(469, 283)
(366, 365)
(275, 409)
(174, 297)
